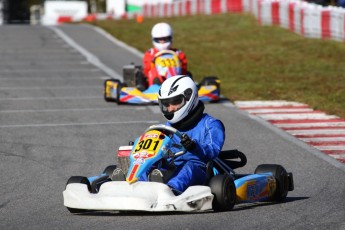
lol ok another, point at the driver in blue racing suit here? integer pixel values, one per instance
(202, 135)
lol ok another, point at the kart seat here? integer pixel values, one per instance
(229, 157)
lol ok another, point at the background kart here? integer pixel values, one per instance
(113, 191)
(138, 89)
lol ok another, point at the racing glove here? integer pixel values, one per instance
(187, 142)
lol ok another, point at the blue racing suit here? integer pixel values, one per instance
(208, 135)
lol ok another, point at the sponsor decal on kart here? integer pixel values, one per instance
(141, 156)
(151, 135)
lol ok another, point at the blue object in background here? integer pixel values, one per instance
(341, 3)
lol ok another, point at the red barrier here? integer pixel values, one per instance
(172, 12)
(180, 9)
(234, 6)
(216, 7)
(200, 5)
(153, 11)
(292, 16)
(124, 16)
(326, 24)
(188, 8)
(259, 11)
(91, 18)
(302, 22)
(145, 11)
(275, 13)
(63, 19)
(165, 9)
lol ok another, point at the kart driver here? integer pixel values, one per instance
(202, 135)
(162, 37)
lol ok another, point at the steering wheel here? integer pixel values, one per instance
(159, 53)
(165, 52)
(168, 130)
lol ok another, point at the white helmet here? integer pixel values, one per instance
(162, 35)
(181, 91)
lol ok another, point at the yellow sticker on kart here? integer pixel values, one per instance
(148, 145)
(167, 62)
(205, 89)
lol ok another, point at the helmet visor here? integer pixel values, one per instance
(171, 105)
(162, 39)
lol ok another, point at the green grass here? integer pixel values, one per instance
(253, 62)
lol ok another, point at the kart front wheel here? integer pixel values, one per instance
(77, 210)
(224, 191)
(109, 170)
(80, 180)
(109, 84)
(282, 179)
(210, 80)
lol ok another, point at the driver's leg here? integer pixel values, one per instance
(190, 174)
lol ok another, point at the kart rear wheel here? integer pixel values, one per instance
(141, 81)
(210, 80)
(281, 176)
(224, 191)
(80, 180)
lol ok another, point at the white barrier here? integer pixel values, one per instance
(56, 12)
(337, 24)
(307, 19)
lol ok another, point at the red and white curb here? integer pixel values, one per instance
(318, 129)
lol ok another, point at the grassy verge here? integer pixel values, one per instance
(253, 62)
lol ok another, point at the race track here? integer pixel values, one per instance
(54, 124)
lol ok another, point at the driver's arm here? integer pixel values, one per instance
(210, 141)
(183, 59)
(147, 60)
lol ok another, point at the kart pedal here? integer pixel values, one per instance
(156, 176)
(118, 175)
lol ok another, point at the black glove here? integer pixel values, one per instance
(187, 142)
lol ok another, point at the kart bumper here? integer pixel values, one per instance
(140, 196)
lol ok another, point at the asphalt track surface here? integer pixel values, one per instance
(54, 124)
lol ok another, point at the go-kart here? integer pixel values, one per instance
(224, 188)
(138, 89)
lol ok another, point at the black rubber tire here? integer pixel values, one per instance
(141, 81)
(224, 191)
(209, 80)
(110, 169)
(78, 180)
(157, 81)
(281, 177)
(107, 99)
(77, 210)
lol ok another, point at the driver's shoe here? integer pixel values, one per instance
(156, 176)
(118, 175)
